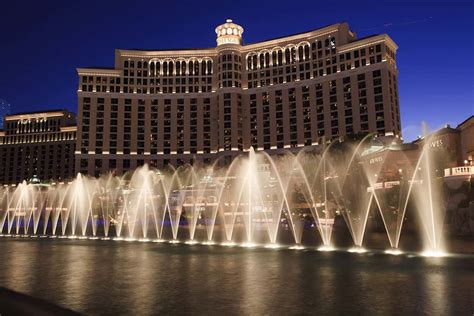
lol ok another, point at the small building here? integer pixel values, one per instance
(451, 148)
(37, 145)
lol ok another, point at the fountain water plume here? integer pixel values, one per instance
(352, 190)
(390, 195)
(426, 189)
(253, 194)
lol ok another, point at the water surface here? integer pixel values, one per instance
(106, 277)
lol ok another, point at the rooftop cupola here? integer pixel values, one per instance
(229, 33)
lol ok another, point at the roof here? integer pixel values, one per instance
(460, 125)
(295, 34)
(164, 49)
(99, 67)
(445, 130)
(37, 112)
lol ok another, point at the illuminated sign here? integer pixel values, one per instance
(375, 160)
(436, 143)
(228, 40)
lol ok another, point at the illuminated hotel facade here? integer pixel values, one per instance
(37, 145)
(177, 106)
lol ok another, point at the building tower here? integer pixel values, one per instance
(229, 44)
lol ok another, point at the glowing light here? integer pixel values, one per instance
(129, 239)
(174, 241)
(144, 240)
(357, 250)
(228, 244)
(117, 239)
(82, 237)
(434, 253)
(93, 238)
(297, 247)
(159, 240)
(105, 238)
(272, 246)
(326, 248)
(191, 242)
(248, 245)
(394, 252)
(71, 237)
(209, 243)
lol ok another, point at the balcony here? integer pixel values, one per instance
(459, 171)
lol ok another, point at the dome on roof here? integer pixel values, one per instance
(229, 33)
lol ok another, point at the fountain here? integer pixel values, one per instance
(254, 198)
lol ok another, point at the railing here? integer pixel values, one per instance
(459, 171)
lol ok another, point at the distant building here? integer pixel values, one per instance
(37, 145)
(466, 130)
(453, 150)
(180, 105)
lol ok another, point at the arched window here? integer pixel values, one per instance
(280, 58)
(313, 46)
(152, 69)
(274, 58)
(203, 67)
(191, 67)
(293, 55)
(300, 53)
(333, 41)
(145, 64)
(196, 68)
(326, 42)
(125, 64)
(139, 64)
(249, 62)
(267, 59)
(254, 61)
(132, 64)
(178, 67)
(320, 45)
(262, 61)
(183, 68)
(165, 68)
(287, 56)
(158, 68)
(306, 52)
(209, 67)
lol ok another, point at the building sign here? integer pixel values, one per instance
(375, 160)
(436, 143)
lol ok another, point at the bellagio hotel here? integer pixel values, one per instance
(184, 105)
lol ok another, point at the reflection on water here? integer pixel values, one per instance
(148, 278)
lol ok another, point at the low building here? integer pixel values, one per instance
(37, 145)
(450, 148)
(466, 130)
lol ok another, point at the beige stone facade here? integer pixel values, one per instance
(466, 129)
(179, 106)
(39, 145)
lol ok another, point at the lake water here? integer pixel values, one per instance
(106, 277)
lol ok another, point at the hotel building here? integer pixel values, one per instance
(37, 145)
(176, 106)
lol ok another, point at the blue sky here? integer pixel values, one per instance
(43, 42)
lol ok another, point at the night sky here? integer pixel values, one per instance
(43, 42)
